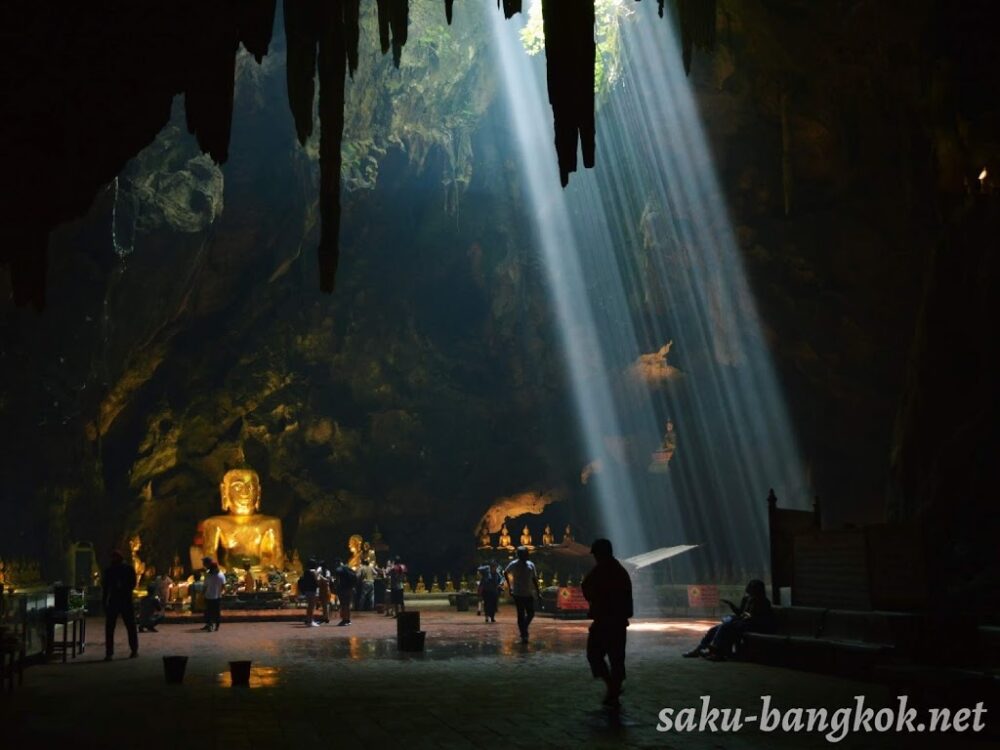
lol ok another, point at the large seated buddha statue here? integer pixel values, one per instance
(245, 537)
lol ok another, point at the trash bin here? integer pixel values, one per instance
(173, 669)
(239, 671)
(462, 601)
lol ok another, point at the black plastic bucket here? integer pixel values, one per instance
(173, 669)
(240, 672)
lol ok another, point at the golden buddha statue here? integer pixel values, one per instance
(525, 536)
(449, 584)
(504, 542)
(421, 587)
(247, 537)
(355, 547)
(555, 579)
(435, 586)
(134, 545)
(547, 539)
(567, 535)
(484, 537)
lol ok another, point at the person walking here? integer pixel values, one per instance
(490, 586)
(608, 590)
(215, 582)
(347, 579)
(522, 582)
(117, 584)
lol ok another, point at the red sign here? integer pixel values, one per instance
(703, 596)
(570, 598)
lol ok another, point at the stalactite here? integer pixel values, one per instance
(570, 49)
(352, 32)
(301, 40)
(449, 9)
(255, 22)
(697, 23)
(383, 24)
(393, 25)
(511, 7)
(332, 72)
(399, 22)
(208, 96)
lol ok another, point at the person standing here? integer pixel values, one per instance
(490, 586)
(366, 581)
(324, 580)
(608, 590)
(347, 579)
(397, 580)
(522, 582)
(215, 582)
(308, 586)
(117, 585)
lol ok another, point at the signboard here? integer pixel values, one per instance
(570, 599)
(703, 596)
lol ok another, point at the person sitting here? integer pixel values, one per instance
(150, 611)
(753, 615)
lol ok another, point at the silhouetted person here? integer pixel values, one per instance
(215, 582)
(490, 585)
(522, 582)
(150, 611)
(397, 580)
(608, 590)
(308, 587)
(117, 584)
(754, 614)
(347, 579)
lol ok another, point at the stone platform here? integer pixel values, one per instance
(475, 686)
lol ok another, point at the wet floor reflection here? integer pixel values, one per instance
(260, 677)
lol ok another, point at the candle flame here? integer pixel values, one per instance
(983, 174)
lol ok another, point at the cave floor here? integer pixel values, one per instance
(475, 685)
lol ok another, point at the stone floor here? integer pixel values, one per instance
(474, 686)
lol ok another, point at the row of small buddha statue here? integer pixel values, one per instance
(19, 572)
(505, 541)
(464, 584)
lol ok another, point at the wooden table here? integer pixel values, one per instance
(76, 618)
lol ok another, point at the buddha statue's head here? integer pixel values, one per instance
(240, 491)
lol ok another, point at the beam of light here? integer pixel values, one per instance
(583, 353)
(636, 254)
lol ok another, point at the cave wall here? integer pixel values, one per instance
(848, 136)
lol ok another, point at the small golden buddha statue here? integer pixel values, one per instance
(555, 579)
(421, 587)
(245, 535)
(525, 536)
(449, 584)
(547, 539)
(484, 537)
(567, 535)
(177, 569)
(134, 545)
(249, 584)
(435, 586)
(504, 542)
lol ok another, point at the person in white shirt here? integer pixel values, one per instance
(522, 582)
(215, 581)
